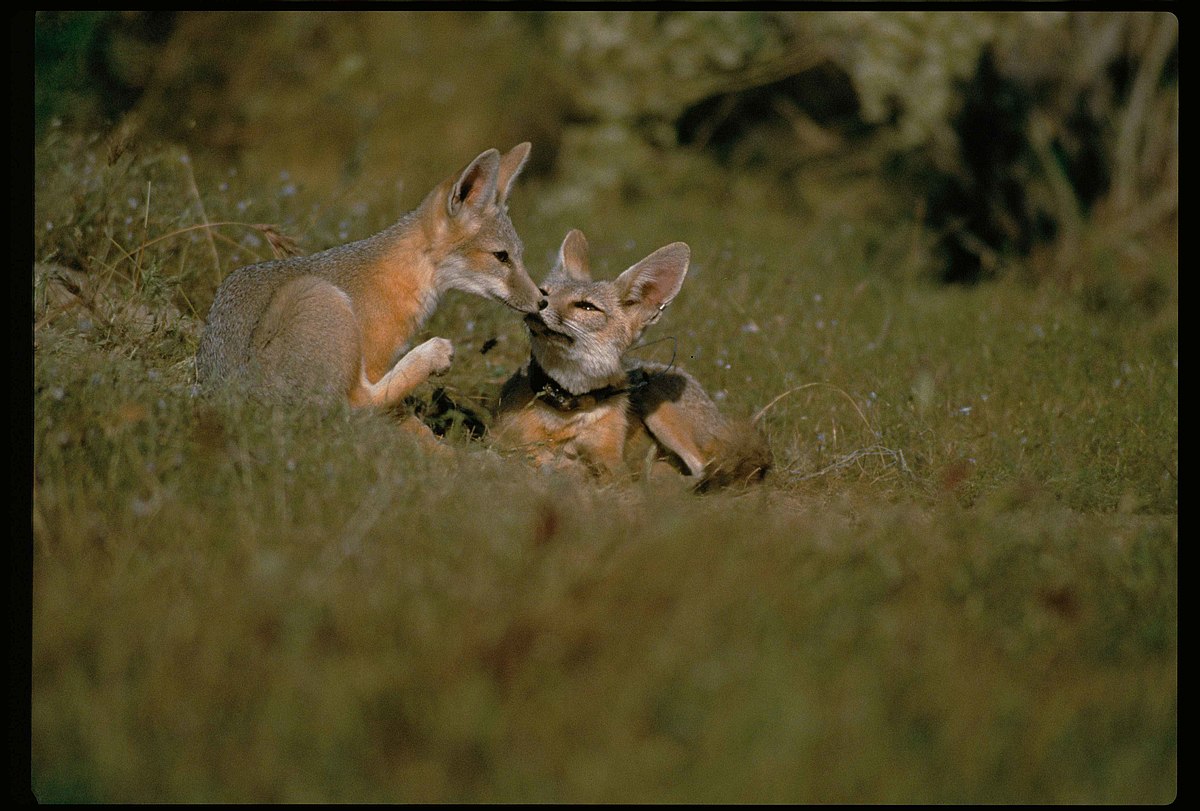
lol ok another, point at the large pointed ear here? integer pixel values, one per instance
(510, 166)
(650, 285)
(476, 186)
(573, 257)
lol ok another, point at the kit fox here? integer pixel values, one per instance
(336, 323)
(578, 402)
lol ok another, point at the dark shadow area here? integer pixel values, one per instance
(94, 67)
(768, 123)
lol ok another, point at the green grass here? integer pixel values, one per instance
(958, 585)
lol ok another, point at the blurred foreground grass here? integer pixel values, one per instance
(959, 585)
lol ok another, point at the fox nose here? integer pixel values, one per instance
(542, 305)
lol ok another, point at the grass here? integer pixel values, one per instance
(958, 585)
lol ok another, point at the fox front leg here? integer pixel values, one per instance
(433, 357)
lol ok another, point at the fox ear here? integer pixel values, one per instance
(573, 258)
(511, 165)
(651, 284)
(476, 186)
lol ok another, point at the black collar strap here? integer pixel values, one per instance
(550, 391)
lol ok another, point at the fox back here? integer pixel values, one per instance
(336, 323)
(578, 398)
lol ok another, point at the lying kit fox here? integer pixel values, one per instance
(579, 404)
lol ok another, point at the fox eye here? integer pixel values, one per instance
(543, 291)
(586, 305)
(501, 256)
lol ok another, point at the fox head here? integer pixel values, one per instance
(476, 248)
(586, 326)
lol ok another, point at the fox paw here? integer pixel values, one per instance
(438, 355)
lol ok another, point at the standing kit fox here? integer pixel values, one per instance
(579, 403)
(333, 324)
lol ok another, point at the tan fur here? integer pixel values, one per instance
(715, 449)
(591, 439)
(615, 418)
(336, 324)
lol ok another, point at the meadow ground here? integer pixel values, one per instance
(959, 583)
